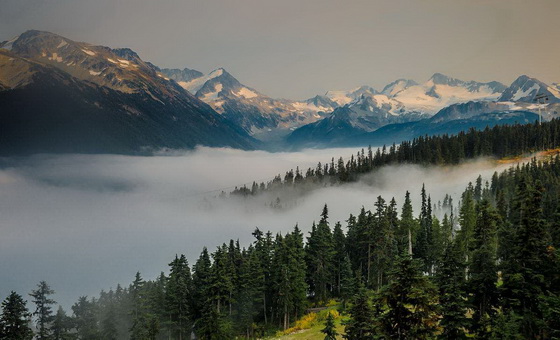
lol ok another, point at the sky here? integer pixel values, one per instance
(84, 223)
(299, 48)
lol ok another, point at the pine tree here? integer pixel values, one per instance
(84, 319)
(422, 250)
(62, 326)
(467, 220)
(201, 284)
(361, 325)
(319, 255)
(339, 245)
(408, 227)
(178, 295)
(483, 269)
(43, 310)
(330, 329)
(139, 329)
(524, 272)
(109, 325)
(14, 321)
(408, 303)
(452, 297)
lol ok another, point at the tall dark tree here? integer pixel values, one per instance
(452, 297)
(524, 273)
(43, 309)
(85, 322)
(62, 326)
(330, 328)
(361, 325)
(409, 304)
(14, 322)
(319, 255)
(178, 297)
(483, 269)
(408, 227)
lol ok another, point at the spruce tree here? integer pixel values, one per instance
(84, 319)
(483, 269)
(178, 295)
(450, 279)
(330, 328)
(62, 326)
(361, 325)
(409, 304)
(14, 321)
(524, 272)
(43, 309)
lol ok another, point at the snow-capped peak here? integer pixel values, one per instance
(525, 89)
(196, 84)
(345, 97)
(397, 86)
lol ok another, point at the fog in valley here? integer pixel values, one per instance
(87, 222)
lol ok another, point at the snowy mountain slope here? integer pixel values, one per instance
(524, 89)
(441, 91)
(250, 109)
(402, 102)
(346, 97)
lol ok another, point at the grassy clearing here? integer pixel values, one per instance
(309, 327)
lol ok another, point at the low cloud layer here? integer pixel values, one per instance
(87, 222)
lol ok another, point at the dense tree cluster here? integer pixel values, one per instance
(487, 268)
(499, 141)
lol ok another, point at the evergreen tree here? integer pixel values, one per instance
(330, 329)
(14, 322)
(407, 228)
(361, 325)
(483, 270)
(84, 319)
(109, 325)
(178, 295)
(140, 318)
(339, 245)
(319, 255)
(452, 298)
(62, 326)
(43, 310)
(524, 273)
(408, 303)
(422, 249)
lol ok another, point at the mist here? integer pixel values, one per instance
(84, 223)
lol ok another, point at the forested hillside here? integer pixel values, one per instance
(497, 142)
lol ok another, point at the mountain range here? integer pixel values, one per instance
(59, 95)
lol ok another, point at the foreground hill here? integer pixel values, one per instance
(58, 95)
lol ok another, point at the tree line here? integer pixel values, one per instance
(497, 142)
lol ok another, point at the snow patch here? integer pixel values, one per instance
(62, 44)
(246, 93)
(520, 93)
(196, 84)
(93, 73)
(112, 61)
(88, 52)
(213, 95)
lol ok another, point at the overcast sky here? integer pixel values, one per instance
(299, 48)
